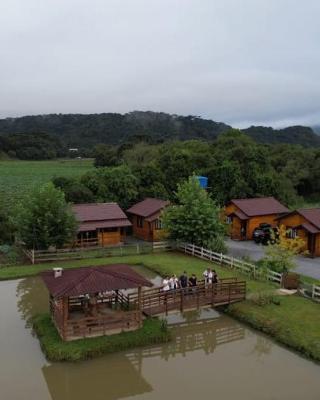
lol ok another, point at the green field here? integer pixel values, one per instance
(18, 177)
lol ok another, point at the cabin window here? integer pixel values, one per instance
(139, 222)
(292, 233)
(229, 219)
(158, 224)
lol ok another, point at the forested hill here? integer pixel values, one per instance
(86, 130)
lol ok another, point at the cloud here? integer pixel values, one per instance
(238, 61)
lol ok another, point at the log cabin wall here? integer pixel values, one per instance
(106, 238)
(250, 224)
(142, 232)
(296, 219)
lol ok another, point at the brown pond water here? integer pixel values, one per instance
(212, 356)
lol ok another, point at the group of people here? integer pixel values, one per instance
(172, 283)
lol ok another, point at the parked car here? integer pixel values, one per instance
(265, 234)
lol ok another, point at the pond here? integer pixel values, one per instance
(211, 356)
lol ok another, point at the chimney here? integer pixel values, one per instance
(57, 272)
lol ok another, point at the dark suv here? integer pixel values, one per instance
(264, 234)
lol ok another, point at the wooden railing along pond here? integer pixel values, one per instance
(156, 301)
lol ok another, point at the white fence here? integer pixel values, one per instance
(40, 256)
(316, 292)
(231, 262)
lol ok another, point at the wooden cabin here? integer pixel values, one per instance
(100, 224)
(304, 223)
(146, 219)
(87, 302)
(244, 215)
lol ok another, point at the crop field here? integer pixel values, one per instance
(19, 177)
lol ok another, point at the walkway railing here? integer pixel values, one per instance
(156, 301)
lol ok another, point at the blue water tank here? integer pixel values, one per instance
(203, 181)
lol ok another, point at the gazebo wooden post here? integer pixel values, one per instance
(139, 306)
(65, 313)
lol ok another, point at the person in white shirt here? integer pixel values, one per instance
(208, 276)
(174, 282)
(166, 284)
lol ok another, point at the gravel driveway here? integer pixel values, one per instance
(306, 266)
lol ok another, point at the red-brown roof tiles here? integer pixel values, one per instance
(260, 206)
(80, 281)
(99, 215)
(148, 207)
(312, 215)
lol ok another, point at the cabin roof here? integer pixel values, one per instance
(99, 215)
(90, 280)
(311, 215)
(260, 206)
(148, 207)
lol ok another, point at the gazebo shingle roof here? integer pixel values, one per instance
(80, 281)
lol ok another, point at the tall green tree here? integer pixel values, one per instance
(44, 219)
(196, 218)
(105, 156)
(116, 184)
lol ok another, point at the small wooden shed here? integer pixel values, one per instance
(146, 218)
(100, 223)
(244, 215)
(86, 302)
(304, 223)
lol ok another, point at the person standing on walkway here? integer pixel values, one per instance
(208, 276)
(166, 284)
(183, 280)
(173, 282)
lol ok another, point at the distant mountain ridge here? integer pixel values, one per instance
(87, 130)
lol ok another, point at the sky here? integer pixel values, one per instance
(242, 62)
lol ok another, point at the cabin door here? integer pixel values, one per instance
(311, 243)
(243, 230)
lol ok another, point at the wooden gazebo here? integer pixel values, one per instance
(92, 301)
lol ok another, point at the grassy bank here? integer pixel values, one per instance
(294, 323)
(55, 349)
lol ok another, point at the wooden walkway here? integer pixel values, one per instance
(154, 302)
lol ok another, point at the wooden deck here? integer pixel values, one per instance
(155, 302)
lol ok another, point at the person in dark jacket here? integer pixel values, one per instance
(183, 280)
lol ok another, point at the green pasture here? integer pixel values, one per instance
(18, 177)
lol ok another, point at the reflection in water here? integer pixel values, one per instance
(103, 380)
(32, 298)
(107, 378)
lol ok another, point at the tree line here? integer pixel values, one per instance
(237, 167)
(50, 136)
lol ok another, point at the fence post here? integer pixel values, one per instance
(254, 272)
(193, 249)
(231, 265)
(138, 248)
(221, 255)
(32, 256)
(201, 255)
(313, 291)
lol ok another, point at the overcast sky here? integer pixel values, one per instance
(239, 61)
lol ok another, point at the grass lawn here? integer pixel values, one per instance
(295, 322)
(163, 263)
(18, 177)
(55, 349)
